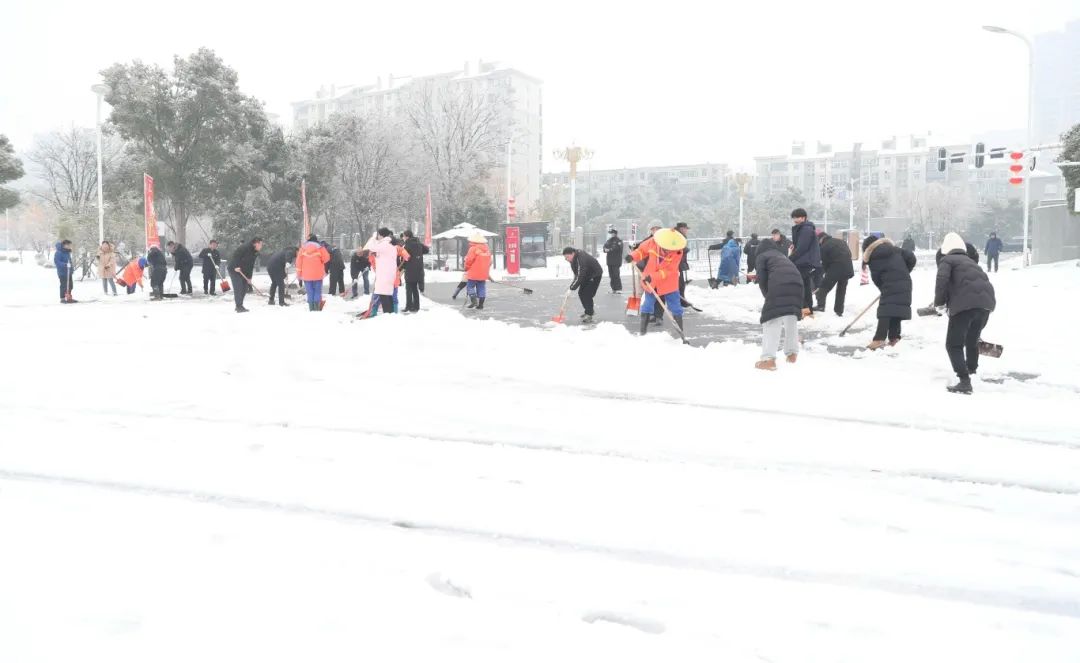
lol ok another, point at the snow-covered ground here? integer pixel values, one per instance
(181, 483)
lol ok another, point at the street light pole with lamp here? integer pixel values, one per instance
(1030, 114)
(100, 89)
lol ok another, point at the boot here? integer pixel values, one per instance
(282, 303)
(893, 342)
(311, 306)
(271, 302)
(766, 365)
(875, 345)
(586, 319)
(480, 306)
(792, 358)
(644, 323)
(961, 387)
(678, 321)
(472, 302)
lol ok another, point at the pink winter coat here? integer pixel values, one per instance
(384, 261)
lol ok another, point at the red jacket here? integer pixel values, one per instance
(478, 263)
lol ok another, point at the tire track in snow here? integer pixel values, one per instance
(1061, 606)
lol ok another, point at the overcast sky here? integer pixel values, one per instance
(683, 82)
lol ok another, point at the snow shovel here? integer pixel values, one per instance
(713, 282)
(633, 303)
(667, 313)
(257, 291)
(561, 317)
(225, 287)
(868, 307)
(527, 291)
(67, 295)
(990, 349)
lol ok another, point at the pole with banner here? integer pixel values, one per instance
(306, 232)
(149, 215)
(513, 250)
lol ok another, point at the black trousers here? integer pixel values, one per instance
(965, 329)
(337, 281)
(277, 285)
(887, 328)
(841, 292)
(157, 279)
(616, 280)
(67, 284)
(185, 280)
(209, 283)
(586, 293)
(993, 259)
(387, 302)
(412, 295)
(239, 288)
(807, 273)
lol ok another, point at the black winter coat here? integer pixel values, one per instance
(751, 250)
(276, 266)
(962, 285)
(971, 252)
(156, 258)
(182, 257)
(586, 268)
(357, 265)
(210, 258)
(337, 261)
(414, 266)
(807, 251)
(836, 258)
(243, 259)
(783, 244)
(780, 282)
(908, 244)
(613, 248)
(890, 269)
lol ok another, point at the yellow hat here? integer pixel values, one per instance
(477, 238)
(671, 240)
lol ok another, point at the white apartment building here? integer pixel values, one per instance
(615, 185)
(1056, 83)
(522, 92)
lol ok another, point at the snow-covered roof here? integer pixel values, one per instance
(463, 231)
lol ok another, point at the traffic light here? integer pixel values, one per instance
(980, 154)
(942, 159)
(1016, 168)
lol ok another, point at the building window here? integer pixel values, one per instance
(778, 166)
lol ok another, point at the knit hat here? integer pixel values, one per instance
(952, 242)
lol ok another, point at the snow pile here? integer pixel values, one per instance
(178, 482)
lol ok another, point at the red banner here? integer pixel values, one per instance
(149, 215)
(513, 249)
(427, 219)
(307, 219)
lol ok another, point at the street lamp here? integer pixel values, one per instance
(1030, 114)
(851, 203)
(100, 89)
(573, 155)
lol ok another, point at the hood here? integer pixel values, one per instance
(869, 248)
(142, 263)
(953, 242)
(59, 246)
(107, 249)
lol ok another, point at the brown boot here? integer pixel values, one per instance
(893, 342)
(807, 313)
(766, 365)
(875, 345)
(791, 359)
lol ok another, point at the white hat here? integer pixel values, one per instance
(952, 242)
(477, 238)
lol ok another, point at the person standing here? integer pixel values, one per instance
(242, 269)
(414, 271)
(477, 271)
(359, 267)
(276, 269)
(890, 269)
(782, 285)
(613, 249)
(730, 255)
(210, 258)
(908, 244)
(993, 250)
(781, 242)
(383, 256)
(336, 269)
(967, 292)
(750, 250)
(158, 269)
(183, 263)
(660, 257)
(587, 277)
(106, 258)
(684, 264)
(806, 254)
(311, 263)
(65, 270)
(837, 264)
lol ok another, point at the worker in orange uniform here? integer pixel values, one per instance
(311, 269)
(658, 259)
(477, 271)
(132, 275)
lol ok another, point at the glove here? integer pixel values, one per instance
(648, 279)
(628, 258)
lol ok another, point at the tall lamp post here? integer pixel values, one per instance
(1030, 114)
(100, 89)
(573, 155)
(742, 179)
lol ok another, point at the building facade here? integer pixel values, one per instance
(521, 92)
(613, 186)
(1056, 83)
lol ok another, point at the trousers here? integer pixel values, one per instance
(887, 328)
(841, 293)
(209, 283)
(185, 280)
(965, 329)
(277, 285)
(616, 279)
(586, 293)
(412, 295)
(770, 336)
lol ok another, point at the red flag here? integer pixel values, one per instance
(149, 215)
(307, 220)
(427, 219)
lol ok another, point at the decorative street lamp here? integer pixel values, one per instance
(100, 90)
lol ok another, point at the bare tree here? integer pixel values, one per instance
(462, 133)
(372, 177)
(65, 161)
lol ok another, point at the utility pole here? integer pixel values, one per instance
(573, 155)
(742, 179)
(100, 90)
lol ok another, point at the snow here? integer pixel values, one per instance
(178, 483)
